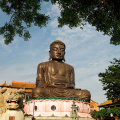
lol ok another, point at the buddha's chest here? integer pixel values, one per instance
(58, 69)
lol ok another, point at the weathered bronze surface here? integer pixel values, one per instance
(56, 78)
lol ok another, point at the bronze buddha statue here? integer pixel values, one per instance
(56, 78)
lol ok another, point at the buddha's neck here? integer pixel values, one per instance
(57, 60)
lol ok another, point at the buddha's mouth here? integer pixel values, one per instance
(58, 55)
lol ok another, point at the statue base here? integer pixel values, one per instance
(13, 115)
(60, 107)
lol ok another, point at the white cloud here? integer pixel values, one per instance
(73, 37)
(5, 47)
(54, 10)
(10, 47)
(54, 24)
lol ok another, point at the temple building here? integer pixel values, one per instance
(108, 104)
(93, 106)
(28, 86)
(4, 85)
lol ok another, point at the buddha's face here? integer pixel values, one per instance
(57, 52)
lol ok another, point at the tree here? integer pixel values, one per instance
(111, 80)
(105, 113)
(23, 13)
(103, 14)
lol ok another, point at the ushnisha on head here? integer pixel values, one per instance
(57, 50)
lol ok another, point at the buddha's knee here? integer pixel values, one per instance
(83, 94)
(36, 92)
(87, 94)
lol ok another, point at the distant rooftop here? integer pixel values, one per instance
(23, 85)
(4, 85)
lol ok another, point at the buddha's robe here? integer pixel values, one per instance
(56, 79)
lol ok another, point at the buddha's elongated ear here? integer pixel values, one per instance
(50, 56)
(64, 57)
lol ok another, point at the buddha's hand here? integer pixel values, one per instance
(70, 86)
(66, 85)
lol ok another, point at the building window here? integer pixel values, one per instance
(88, 110)
(35, 108)
(78, 108)
(53, 107)
(28, 96)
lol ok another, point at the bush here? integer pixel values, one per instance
(95, 114)
(115, 111)
(26, 115)
(105, 113)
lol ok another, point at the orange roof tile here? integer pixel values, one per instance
(4, 85)
(93, 101)
(23, 85)
(28, 91)
(106, 103)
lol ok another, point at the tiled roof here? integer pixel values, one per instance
(28, 91)
(23, 85)
(93, 101)
(4, 85)
(105, 103)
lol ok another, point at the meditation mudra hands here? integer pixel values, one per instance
(55, 85)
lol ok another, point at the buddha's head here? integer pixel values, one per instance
(57, 50)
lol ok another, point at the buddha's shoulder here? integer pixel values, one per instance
(49, 63)
(68, 66)
(44, 63)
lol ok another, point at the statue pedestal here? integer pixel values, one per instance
(13, 115)
(60, 107)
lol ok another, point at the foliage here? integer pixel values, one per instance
(96, 114)
(23, 13)
(103, 14)
(111, 80)
(33, 118)
(66, 115)
(115, 111)
(93, 114)
(26, 115)
(105, 113)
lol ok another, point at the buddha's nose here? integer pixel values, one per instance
(59, 51)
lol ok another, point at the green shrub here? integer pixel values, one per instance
(93, 114)
(96, 114)
(115, 111)
(105, 113)
(26, 115)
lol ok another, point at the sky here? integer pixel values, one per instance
(87, 50)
